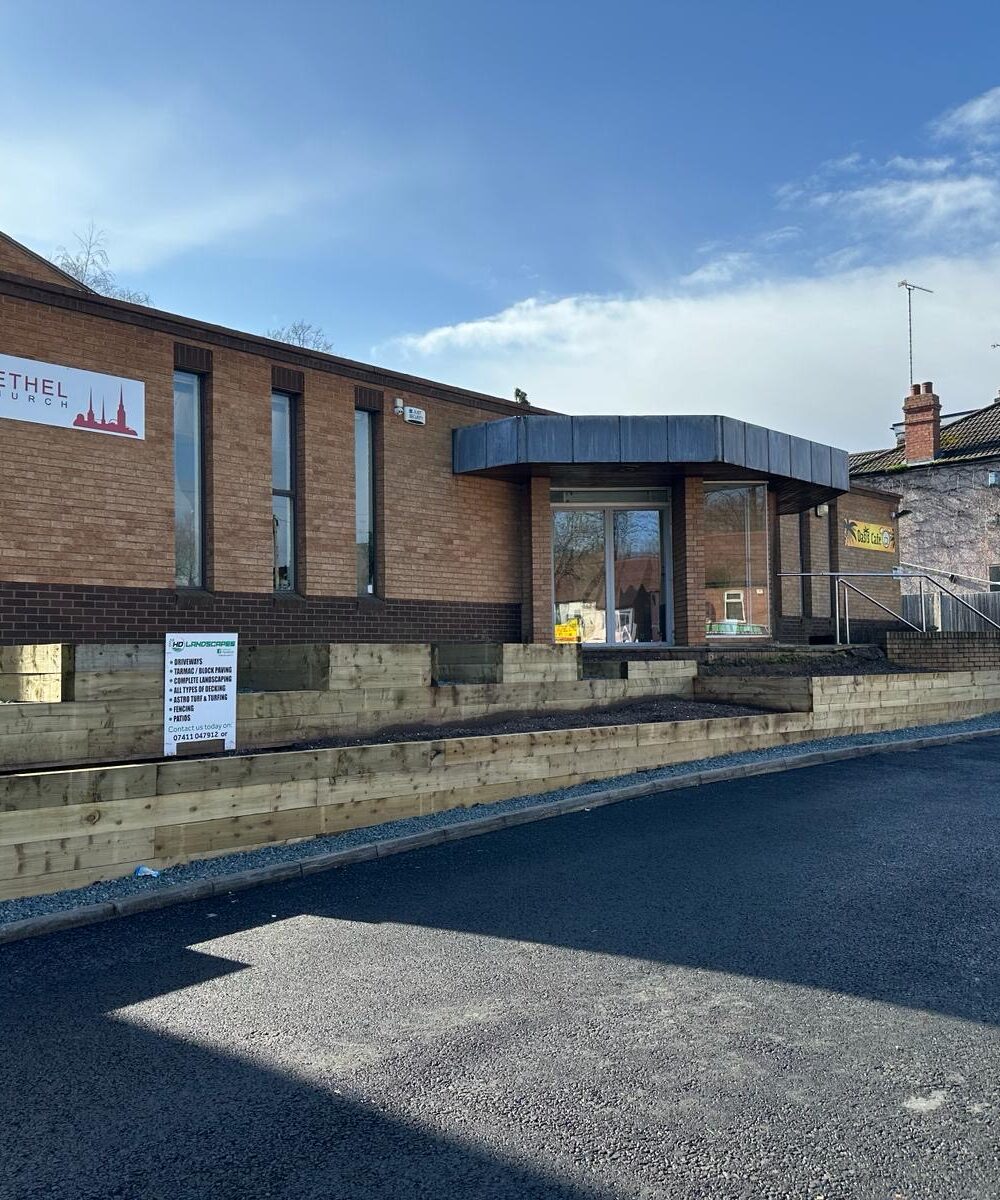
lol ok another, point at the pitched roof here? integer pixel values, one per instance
(966, 439)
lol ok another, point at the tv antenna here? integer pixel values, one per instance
(910, 289)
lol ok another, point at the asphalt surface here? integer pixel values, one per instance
(780, 987)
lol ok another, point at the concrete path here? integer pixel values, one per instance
(787, 986)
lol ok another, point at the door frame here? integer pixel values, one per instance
(608, 509)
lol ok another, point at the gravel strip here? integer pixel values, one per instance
(119, 889)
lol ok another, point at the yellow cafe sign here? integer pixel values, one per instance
(568, 631)
(864, 536)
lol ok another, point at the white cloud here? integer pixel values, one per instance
(845, 258)
(921, 207)
(976, 121)
(727, 268)
(804, 329)
(779, 237)
(919, 166)
(825, 358)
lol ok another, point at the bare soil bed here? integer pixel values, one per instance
(866, 660)
(629, 712)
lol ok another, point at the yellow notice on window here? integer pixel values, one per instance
(569, 631)
(864, 536)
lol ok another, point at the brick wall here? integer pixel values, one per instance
(32, 613)
(790, 559)
(92, 512)
(806, 612)
(877, 509)
(17, 260)
(688, 518)
(818, 538)
(538, 599)
(945, 651)
(921, 424)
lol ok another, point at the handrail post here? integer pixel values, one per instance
(836, 605)
(923, 611)
(847, 615)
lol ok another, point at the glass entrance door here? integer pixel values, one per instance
(580, 569)
(638, 575)
(611, 573)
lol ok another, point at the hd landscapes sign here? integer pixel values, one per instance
(199, 689)
(47, 394)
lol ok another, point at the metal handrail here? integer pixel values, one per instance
(951, 575)
(878, 603)
(842, 578)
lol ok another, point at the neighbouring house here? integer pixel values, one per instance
(161, 474)
(946, 469)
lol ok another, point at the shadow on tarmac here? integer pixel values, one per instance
(874, 878)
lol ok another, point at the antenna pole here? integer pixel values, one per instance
(909, 328)
(910, 289)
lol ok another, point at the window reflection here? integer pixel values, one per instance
(188, 553)
(737, 587)
(638, 575)
(364, 500)
(578, 563)
(283, 490)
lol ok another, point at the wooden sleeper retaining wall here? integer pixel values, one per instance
(118, 713)
(67, 828)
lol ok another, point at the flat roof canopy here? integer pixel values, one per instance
(640, 451)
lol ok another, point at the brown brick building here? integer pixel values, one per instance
(158, 473)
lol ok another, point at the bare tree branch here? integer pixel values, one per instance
(302, 333)
(91, 264)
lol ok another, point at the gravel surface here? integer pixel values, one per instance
(776, 988)
(116, 889)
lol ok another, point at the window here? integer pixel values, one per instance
(189, 488)
(608, 570)
(735, 608)
(283, 489)
(737, 574)
(364, 499)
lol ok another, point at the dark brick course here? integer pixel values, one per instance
(33, 612)
(945, 651)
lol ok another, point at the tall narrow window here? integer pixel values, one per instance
(189, 500)
(283, 489)
(737, 571)
(364, 507)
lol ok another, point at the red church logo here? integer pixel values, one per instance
(118, 425)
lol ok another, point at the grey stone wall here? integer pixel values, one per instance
(954, 523)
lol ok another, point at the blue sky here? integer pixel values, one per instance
(630, 207)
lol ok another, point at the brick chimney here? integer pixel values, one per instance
(921, 424)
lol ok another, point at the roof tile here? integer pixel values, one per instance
(967, 439)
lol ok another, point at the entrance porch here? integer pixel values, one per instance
(651, 530)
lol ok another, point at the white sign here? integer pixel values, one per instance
(47, 394)
(199, 689)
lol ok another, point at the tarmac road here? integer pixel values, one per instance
(786, 986)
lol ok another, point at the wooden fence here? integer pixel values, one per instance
(945, 613)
